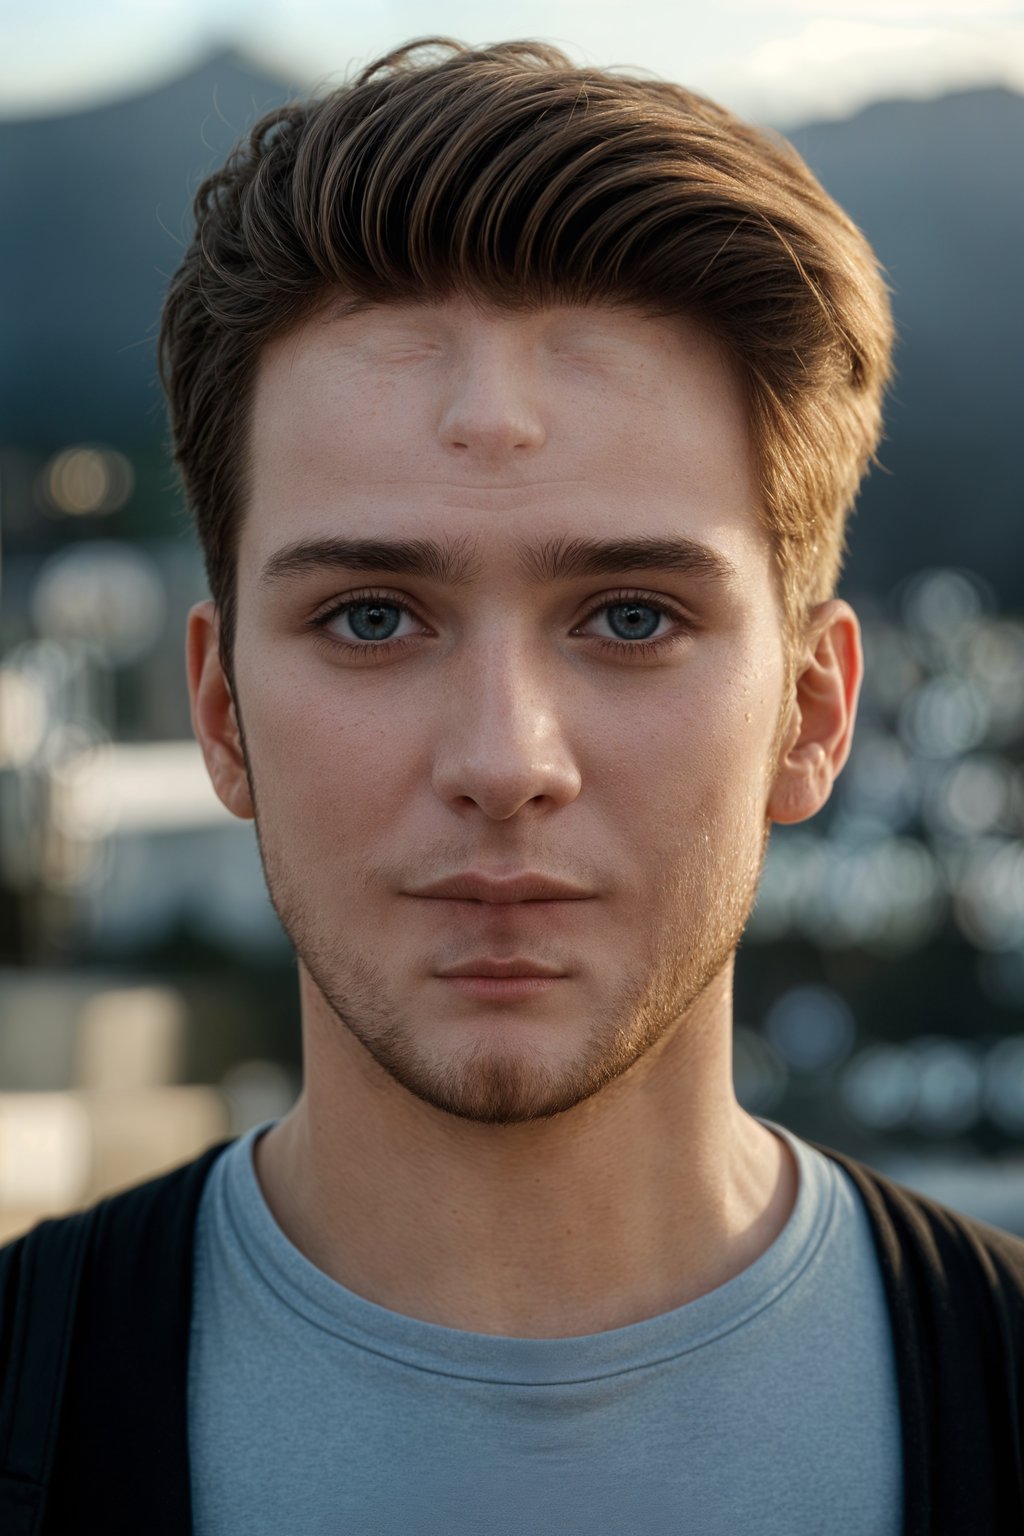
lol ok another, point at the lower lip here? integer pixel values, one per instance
(540, 905)
(500, 989)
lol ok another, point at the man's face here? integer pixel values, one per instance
(507, 614)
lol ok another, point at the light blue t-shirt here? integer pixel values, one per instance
(768, 1405)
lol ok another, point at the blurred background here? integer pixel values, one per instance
(147, 996)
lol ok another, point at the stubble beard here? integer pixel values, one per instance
(493, 1079)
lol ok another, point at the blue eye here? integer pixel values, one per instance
(374, 620)
(633, 621)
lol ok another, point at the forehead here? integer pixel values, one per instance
(639, 425)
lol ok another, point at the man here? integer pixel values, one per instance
(520, 408)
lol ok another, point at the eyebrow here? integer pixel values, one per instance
(452, 562)
(562, 559)
(448, 562)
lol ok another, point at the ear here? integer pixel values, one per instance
(214, 719)
(819, 727)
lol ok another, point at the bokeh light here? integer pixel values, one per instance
(940, 604)
(945, 716)
(812, 1028)
(1003, 1085)
(989, 894)
(108, 594)
(974, 797)
(879, 1087)
(86, 479)
(995, 663)
(891, 669)
(23, 716)
(948, 1087)
(880, 780)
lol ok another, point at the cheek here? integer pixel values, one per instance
(699, 751)
(329, 772)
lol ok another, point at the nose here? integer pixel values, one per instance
(490, 407)
(502, 746)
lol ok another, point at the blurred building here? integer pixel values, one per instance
(93, 1097)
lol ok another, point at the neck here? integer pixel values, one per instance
(647, 1195)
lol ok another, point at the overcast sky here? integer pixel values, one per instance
(778, 60)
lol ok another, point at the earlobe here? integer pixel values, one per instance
(819, 731)
(214, 719)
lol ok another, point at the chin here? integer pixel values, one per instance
(496, 1081)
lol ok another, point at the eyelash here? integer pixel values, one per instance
(370, 649)
(382, 648)
(638, 648)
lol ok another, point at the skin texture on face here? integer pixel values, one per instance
(507, 611)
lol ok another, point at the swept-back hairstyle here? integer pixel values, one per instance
(511, 175)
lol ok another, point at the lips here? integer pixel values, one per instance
(502, 969)
(500, 890)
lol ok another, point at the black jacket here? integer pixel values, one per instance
(94, 1335)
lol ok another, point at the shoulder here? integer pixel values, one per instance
(150, 1217)
(94, 1309)
(926, 1243)
(955, 1291)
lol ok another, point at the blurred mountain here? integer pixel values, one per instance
(936, 187)
(96, 209)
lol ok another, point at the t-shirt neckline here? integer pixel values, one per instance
(322, 1302)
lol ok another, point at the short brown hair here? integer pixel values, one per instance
(509, 174)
